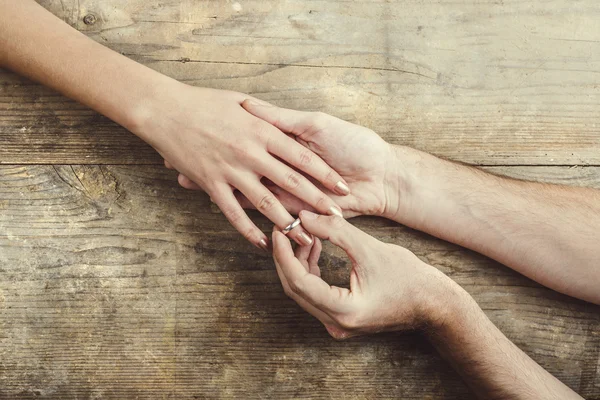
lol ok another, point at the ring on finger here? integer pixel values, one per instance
(291, 226)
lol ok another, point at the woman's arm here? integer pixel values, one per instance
(204, 133)
(35, 43)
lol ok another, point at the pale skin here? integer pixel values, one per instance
(204, 133)
(547, 232)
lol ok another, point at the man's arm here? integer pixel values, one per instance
(549, 233)
(391, 289)
(492, 366)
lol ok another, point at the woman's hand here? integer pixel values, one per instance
(208, 137)
(365, 161)
(390, 288)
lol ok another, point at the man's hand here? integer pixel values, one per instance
(546, 232)
(390, 288)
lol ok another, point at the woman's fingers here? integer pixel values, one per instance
(309, 287)
(296, 123)
(224, 198)
(266, 202)
(305, 160)
(298, 185)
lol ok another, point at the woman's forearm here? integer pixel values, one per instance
(54, 54)
(546, 232)
(203, 133)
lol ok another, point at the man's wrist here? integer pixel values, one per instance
(401, 182)
(445, 305)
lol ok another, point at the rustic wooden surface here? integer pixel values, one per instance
(116, 283)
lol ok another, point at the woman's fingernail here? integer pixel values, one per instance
(333, 210)
(303, 239)
(342, 188)
(308, 214)
(264, 245)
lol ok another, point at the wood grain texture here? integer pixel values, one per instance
(487, 82)
(116, 283)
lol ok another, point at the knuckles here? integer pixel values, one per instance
(292, 181)
(233, 215)
(322, 203)
(306, 158)
(266, 203)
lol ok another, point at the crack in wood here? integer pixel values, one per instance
(281, 65)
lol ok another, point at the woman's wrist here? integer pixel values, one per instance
(141, 110)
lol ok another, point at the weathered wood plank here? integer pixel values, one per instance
(484, 82)
(116, 283)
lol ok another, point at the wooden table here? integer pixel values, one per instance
(116, 283)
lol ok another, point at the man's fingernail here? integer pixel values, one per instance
(342, 188)
(308, 215)
(303, 239)
(264, 245)
(333, 210)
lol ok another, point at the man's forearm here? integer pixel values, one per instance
(490, 363)
(546, 232)
(53, 53)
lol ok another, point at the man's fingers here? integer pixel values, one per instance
(286, 120)
(309, 256)
(329, 299)
(232, 210)
(302, 253)
(313, 258)
(315, 312)
(305, 160)
(339, 232)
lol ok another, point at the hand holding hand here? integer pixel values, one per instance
(357, 153)
(363, 159)
(206, 135)
(390, 288)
